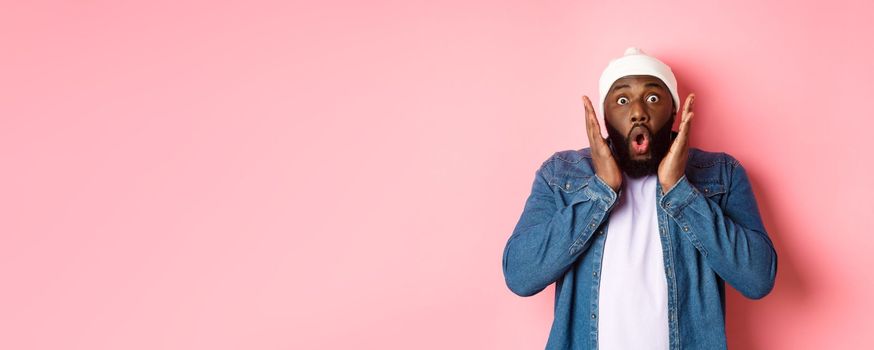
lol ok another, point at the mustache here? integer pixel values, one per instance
(639, 133)
(638, 125)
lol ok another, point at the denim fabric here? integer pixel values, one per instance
(710, 229)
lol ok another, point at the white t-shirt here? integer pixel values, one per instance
(633, 299)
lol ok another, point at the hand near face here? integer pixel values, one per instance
(605, 165)
(673, 165)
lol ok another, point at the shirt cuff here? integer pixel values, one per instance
(678, 197)
(598, 189)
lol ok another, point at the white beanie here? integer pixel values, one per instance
(636, 62)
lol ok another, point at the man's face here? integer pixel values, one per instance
(639, 114)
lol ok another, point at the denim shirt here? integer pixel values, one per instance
(710, 229)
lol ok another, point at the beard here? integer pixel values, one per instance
(621, 146)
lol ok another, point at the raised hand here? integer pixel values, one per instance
(605, 165)
(673, 165)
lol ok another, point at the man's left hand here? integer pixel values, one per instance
(673, 165)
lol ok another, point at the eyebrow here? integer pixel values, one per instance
(655, 85)
(620, 87)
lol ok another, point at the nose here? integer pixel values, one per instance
(638, 113)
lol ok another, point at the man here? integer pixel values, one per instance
(639, 232)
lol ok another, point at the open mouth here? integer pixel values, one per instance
(639, 138)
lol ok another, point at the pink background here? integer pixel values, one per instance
(332, 175)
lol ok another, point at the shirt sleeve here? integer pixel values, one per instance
(732, 238)
(549, 235)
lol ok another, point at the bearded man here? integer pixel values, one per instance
(639, 232)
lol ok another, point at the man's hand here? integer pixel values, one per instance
(673, 165)
(606, 167)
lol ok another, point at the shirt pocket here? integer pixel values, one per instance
(569, 186)
(712, 189)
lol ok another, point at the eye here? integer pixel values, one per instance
(652, 98)
(622, 100)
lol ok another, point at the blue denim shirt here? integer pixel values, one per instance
(710, 229)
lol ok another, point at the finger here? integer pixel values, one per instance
(596, 126)
(680, 143)
(687, 106)
(685, 120)
(588, 120)
(596, 131)
(591, 121)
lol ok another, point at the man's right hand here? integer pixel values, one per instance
(606, 167)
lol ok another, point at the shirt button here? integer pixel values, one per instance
(595, 273)
(593, 316)
(567, 186)
(686, 228)
(600, 232)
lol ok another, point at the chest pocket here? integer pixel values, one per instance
(569, 184)
(712, 189)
